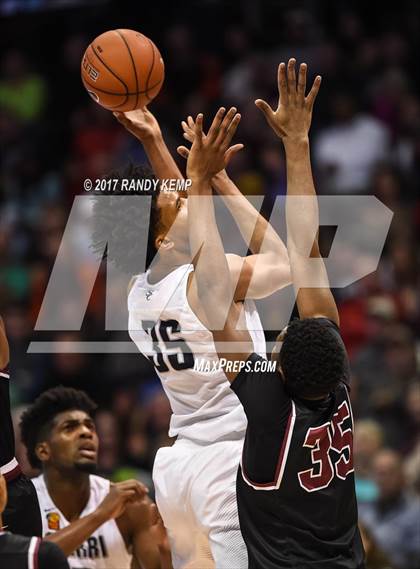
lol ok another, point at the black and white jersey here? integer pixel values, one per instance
(295, 486)
(18, 552)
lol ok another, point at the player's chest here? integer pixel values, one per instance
(103, 549)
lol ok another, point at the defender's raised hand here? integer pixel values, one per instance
(211, 153)
(292, 118)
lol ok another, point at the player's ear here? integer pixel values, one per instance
(162, 243)
(43, 451)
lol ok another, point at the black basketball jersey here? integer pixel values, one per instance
(18, 552)
(295, 486)
(22, 514)
(8, 464)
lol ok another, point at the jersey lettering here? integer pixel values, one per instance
(322, 440)
(93, 548)
(342, 442)
(167, 332)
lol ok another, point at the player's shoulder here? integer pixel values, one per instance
(38, 482)
(99, 482)
(256, 369)
(135, 280)
(342, 392)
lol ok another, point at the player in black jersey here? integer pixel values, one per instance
(295, 486)
(19, 552)
(22, 515)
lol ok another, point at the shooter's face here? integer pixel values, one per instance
(173, 207)
(72, 443)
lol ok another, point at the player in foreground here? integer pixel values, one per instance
(21, 514)
(19, 552)
(99, 525)
(195, 479)
(296, 495)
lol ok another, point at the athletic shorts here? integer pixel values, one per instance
(195, 489)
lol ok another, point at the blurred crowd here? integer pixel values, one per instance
(365, 140)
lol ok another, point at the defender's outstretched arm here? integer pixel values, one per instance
(291, 121)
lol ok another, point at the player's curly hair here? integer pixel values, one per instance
(37, 420)
(124, 219)
(313, 358)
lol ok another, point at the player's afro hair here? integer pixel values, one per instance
(121, 220)
(312, 358)
(37, 420)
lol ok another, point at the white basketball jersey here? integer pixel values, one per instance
(166, 330)
(105, 548)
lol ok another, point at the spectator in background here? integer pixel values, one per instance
(368, 439)
(382, 369)
(394, 517)
(375, 557)
(21, 92)
(412, 435)
(347, 152)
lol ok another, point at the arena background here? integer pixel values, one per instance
(365, 140)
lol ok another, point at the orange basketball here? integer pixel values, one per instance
(122, 70)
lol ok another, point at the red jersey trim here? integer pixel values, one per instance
(11, 470)
(281, 463)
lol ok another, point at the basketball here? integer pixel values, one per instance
(122, 70)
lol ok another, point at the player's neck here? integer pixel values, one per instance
(165, 265)
(69, 491)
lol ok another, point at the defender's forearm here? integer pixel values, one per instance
(310, 278)
(161, 160)
(73, 536)
(302, 216)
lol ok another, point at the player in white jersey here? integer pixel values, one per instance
(59, 433)
(195, 478)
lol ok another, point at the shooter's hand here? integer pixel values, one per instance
(141, 123)
(292, 118)
(211, 153)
